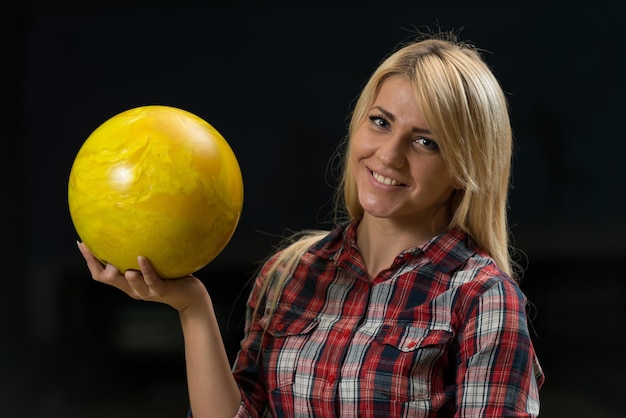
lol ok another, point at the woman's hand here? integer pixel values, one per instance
(145, 284)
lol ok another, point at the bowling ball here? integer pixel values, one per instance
(159, 182)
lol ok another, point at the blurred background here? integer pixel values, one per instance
(278, 81)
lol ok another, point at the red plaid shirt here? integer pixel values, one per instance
(442, 332)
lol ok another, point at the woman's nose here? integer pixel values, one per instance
(392, 153)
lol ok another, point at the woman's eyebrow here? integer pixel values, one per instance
(392, 118)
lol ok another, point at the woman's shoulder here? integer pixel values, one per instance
(481, 282)
(290, 252)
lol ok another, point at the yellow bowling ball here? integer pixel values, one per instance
(156, 181)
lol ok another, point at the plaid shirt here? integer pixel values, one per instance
(441, 333)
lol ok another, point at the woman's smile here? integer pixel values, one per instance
(385, 180)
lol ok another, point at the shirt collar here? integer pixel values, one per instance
(447, 251)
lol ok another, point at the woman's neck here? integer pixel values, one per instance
(380, 240)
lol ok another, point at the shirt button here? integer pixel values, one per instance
(331, 378)
(345, 332)
(280, 326)
(412, 344)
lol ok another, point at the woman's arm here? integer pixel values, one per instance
(213, 391)
(498, 373)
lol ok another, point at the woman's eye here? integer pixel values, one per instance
(379, 121)
(428, 143)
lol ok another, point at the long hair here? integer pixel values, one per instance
(467, 112)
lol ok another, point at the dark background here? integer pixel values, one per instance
(278, 81)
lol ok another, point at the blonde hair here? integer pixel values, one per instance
(467, 112)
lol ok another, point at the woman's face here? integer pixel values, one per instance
(396, 162)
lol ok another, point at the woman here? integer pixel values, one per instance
(409, 306)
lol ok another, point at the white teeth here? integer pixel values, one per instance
(385, 180)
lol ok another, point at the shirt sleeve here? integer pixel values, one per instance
(498, 372)
(247, 369)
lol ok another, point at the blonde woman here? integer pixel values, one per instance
(409, 307)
